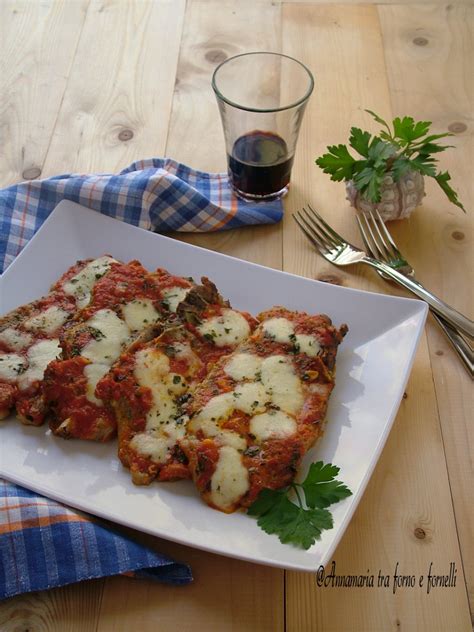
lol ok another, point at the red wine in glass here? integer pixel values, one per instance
(260, 164)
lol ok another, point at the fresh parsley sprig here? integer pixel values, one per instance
(408, 146)
(301, 523)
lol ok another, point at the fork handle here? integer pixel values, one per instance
(462, 348)
(454, 318)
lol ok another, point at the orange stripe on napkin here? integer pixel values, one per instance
(43, 521)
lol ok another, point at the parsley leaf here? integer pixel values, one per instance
(320, 488)
(407, 130)
(400, 166)
(380, 120)
(338, 162)
(292, 522)
(370, 180)
(379, 152)
(359, 141)
(424, 164)
(442, 179)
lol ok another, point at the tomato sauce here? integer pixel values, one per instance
(64, 388)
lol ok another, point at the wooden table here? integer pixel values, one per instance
(92, 85)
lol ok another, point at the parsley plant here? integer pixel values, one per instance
(408, 146)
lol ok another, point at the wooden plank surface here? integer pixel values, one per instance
(226, 595)
(131, 80)
(437, 44)
(33, 78)
(117, 104)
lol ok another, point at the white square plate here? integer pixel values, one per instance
(373, 365)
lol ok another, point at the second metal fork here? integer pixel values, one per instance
(379, 243)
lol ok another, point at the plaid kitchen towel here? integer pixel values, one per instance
(44, 544)
(157, 194)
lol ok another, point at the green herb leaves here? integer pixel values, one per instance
(295, 523)
(320, 487)
(338, 162)
(395, 151)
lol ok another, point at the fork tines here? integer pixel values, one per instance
(317, 230)
(376, 237)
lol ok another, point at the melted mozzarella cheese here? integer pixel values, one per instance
(250, 397)
(174, 295)
(279, 329)
(112, 336)
(282, 330)
(211, 429)
(93, 373)
(308, 344)
(280, 386)
(230, 480)
(152, 447)
(139, 313)
(228, 329)
(48, 321)
(11, 366)
(152, 370)
(274, 424)
(14, 339)
(219, 407)
(39, 356)
(281, 381)
(80, 285)
(243, 366)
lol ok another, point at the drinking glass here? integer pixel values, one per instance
(262, 97)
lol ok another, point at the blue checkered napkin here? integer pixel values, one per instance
(43, 544)
(157, 194)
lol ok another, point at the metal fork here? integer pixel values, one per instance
(341, 253)
(380, 245)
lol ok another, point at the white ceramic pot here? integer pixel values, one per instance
(398, 199)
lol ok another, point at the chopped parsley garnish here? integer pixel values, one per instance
(253, 450)
(96, 333)
(301, 523)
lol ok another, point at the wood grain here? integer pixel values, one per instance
(72, 608)
(393, 508)
(226, 595)
(434, 81)
(33, 78)
(212, 32)
(117, 104)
